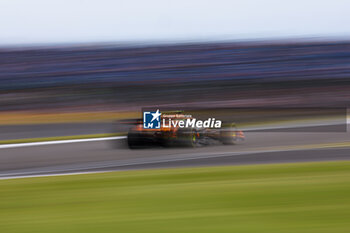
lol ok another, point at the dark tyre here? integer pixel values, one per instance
(188, 137)
(135, 140)
(166, 142)
(229, 135)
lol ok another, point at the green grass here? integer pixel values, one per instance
(303, 197)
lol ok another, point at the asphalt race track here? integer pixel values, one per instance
(259, 147)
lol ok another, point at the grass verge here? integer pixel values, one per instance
(303, 197)
(19, 118)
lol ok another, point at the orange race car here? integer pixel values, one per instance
(178, 129)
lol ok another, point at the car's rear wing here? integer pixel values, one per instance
(130, 121)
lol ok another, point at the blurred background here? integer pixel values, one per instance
(125, 78)
(87, 56)
(72, 70)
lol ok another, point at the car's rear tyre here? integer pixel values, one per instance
(135, 140)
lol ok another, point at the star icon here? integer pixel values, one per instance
(156, 115)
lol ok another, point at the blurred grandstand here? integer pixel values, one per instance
(101, 77)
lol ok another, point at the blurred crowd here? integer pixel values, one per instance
(137, 75)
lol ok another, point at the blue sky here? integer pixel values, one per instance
(74, 21)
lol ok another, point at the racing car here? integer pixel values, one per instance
(174, 135)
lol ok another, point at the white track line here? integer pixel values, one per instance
(16, 145)
(272, 127)
(49, 175)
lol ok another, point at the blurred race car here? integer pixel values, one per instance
(171, 135)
